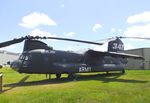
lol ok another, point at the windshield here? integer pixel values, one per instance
(25, 57)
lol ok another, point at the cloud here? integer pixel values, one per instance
(96, 27)
(138, 31)
(113, 30)
(142, 17)
(62, 5)
(36, 19)
(119, 30)
(37, 32)
(70, 34)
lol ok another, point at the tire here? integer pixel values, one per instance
(123, 71)
(71, 76)
(58, 76)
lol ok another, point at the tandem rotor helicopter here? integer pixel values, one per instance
(37, 57)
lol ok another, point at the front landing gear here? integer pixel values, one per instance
(48, 76)
(58, 76)
(123, 71)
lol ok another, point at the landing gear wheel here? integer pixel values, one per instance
(71, 76)
(123, 71)
(107, 72)
(58, 76)
(48, 76)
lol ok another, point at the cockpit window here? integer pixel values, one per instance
(25, 57)
(21, 57)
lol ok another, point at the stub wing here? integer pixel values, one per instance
(115, 54)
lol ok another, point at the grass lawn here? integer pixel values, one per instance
(132, 87)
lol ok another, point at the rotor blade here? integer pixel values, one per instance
(107, 40)
(74, 40)
(135, 38)
(14, 41)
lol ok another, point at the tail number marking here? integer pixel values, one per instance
(118, 46)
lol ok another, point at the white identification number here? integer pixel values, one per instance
(84, 69)
(118, 46)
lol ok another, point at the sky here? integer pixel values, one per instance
(92, 20)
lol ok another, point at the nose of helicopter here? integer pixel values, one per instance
(15, 65)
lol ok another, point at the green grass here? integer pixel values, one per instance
(133, 87)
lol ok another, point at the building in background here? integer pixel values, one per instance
(7, 56)
(139, 64)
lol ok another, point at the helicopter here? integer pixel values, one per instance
(38, 58)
